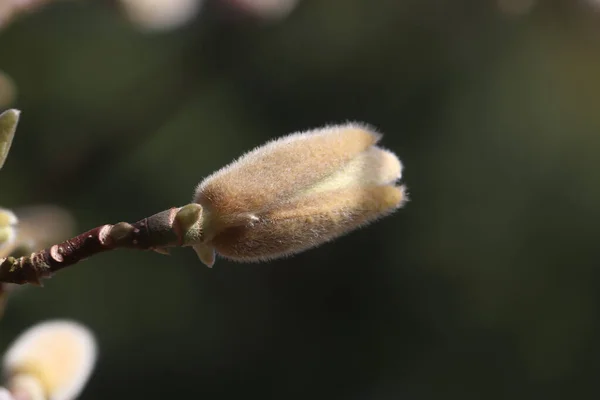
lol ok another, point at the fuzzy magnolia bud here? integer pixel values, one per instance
(52, 360)
(297, 192)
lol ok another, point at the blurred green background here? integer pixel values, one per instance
(485, 286)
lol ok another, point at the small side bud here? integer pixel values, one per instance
(57, 357)
(8, 126)
(188, 224)
(121, 232)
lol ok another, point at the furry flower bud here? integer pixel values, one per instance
(296, 193)
(52, 360)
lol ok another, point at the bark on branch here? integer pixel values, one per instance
(174, 227)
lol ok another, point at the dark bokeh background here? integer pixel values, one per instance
(484, 287)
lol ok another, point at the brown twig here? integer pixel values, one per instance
(174, 227)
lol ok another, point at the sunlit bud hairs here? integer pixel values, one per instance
(52, 360)
(297, 192)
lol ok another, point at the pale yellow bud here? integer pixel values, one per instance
(8, 232)
(27, 387)
(7, 218)
(55, 358)
(297, 192)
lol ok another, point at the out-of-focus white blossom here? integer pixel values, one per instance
(8, 231)
(27, 387)
(161, 15)
(267, 9)
(5, 394)
(53, 360)
(12, 8)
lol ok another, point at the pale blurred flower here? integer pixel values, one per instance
(27, 387)
(5, 394)
(267, 9)
(9, 9)
(8, 220)
(297, 192)
(594, 3)
(159, 15)
(41, 226)
(53, 360)
(8, 231)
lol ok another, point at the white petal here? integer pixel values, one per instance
(60, 354)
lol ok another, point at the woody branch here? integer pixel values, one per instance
(169, 228)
